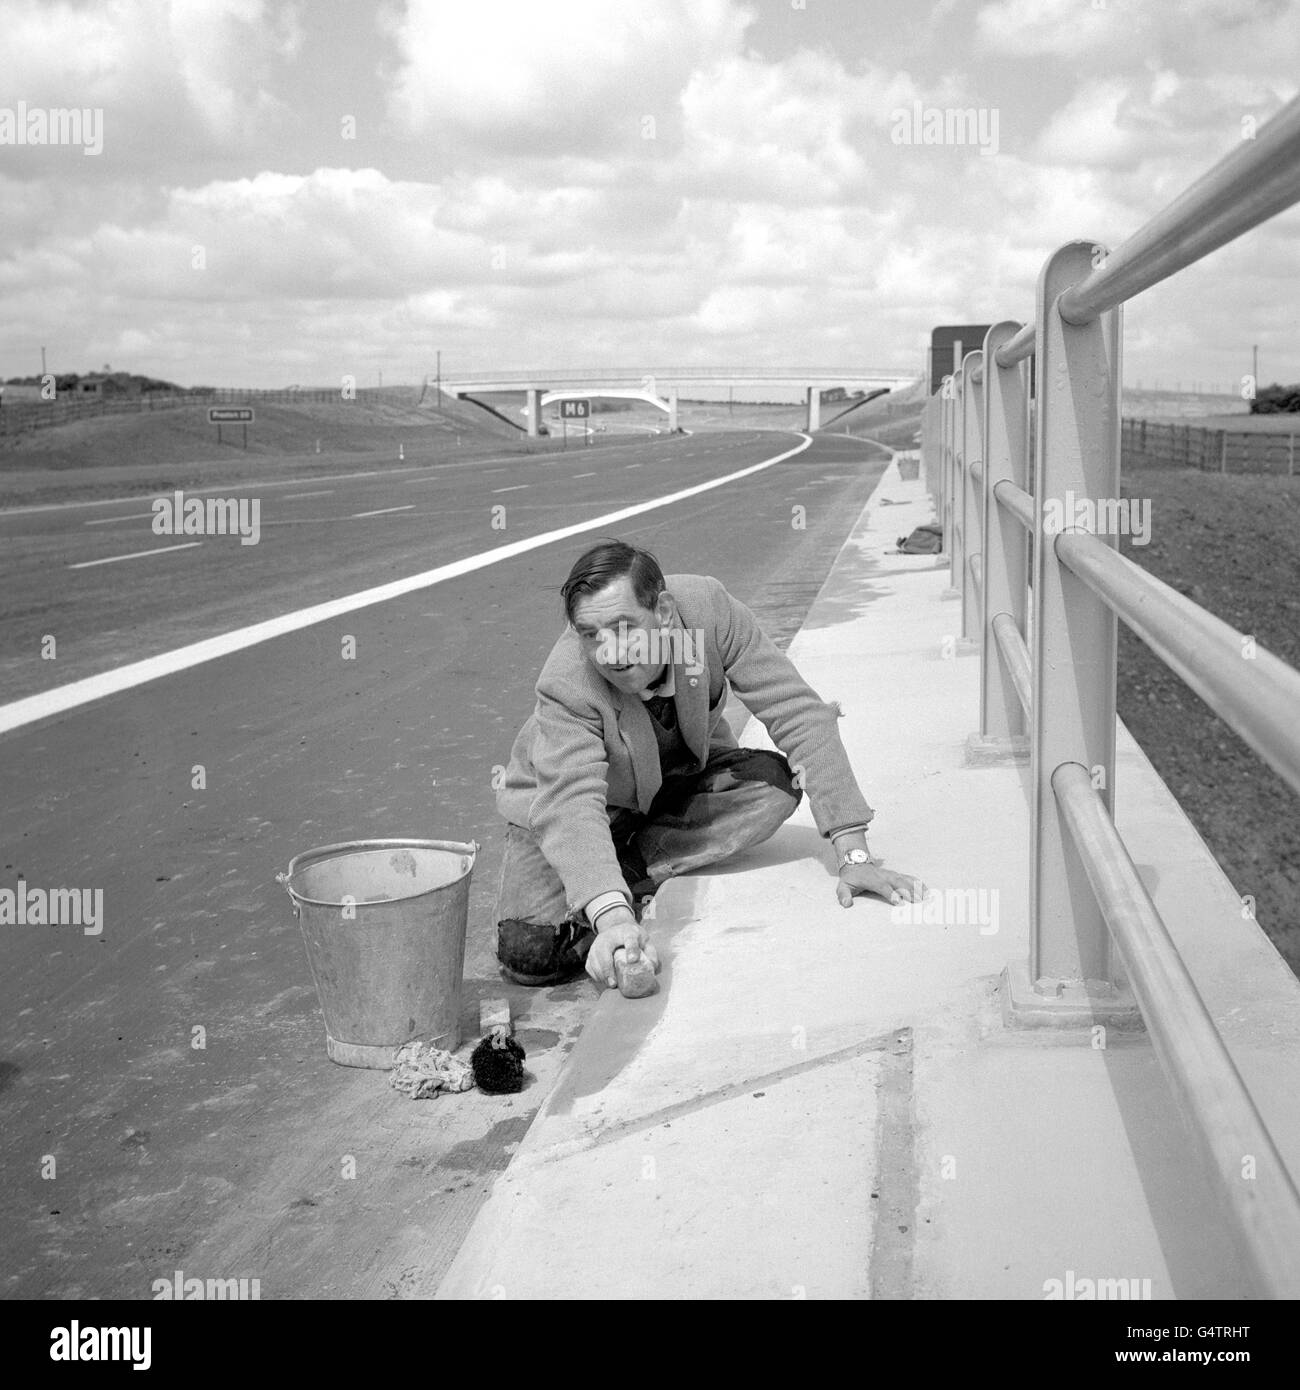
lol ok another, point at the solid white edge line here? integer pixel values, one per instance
(135, 555)
(65, 697)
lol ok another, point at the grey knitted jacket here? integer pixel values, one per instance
(588, 746)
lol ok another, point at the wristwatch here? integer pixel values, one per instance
(855, 856)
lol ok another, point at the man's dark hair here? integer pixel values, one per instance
(606, 562)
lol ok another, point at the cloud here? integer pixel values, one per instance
(567, 76)
(607, 178)
(1064, 28)
(1150, 119)
(170, 75)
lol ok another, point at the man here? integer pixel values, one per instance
(627, 773)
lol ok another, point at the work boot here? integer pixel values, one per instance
(543, 955)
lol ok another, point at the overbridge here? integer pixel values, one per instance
(660, 386)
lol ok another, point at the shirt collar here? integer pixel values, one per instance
(667, 687)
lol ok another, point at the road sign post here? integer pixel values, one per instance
(231, 415)
(573, 410)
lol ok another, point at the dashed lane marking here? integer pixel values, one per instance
(135, 555)
(518, 487)
(382, 511)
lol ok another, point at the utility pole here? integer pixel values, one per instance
(42, 361)
(438, 378)
(1254, 366)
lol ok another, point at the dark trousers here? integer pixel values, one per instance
(739, 798)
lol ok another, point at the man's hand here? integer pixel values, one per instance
(885, 883)
(621, 931)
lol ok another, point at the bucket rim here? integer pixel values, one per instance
(308, 856)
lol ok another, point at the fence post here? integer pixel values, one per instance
(1006, 571)
(972, 511)
(1290, 457)
(1070, 977)
(1223, 451)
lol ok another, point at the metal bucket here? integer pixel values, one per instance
(384, 922)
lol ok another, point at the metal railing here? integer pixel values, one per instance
(1015, 477)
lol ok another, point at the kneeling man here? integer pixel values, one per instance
(627, 773)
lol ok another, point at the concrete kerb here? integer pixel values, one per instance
(824, 1103)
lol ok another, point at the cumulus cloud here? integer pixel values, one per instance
(1065, 28)
(179, 75)
(613, 178)
(570, 75)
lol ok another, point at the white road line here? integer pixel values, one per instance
(136, 555)
(383, 511)
(634, 465)
(62, 698)
(518, 487)
(327, 492)
(236, 486)
(584, 475)
(112, 520)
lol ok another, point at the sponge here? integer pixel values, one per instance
(635, 980)
(498, 1063)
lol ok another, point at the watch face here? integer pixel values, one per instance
(857, 856)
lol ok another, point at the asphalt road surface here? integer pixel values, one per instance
(167, 1102)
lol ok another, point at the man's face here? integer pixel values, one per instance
(615, 631)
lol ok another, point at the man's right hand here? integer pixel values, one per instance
(618, 928)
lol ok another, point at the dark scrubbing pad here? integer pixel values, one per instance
(498, 1064)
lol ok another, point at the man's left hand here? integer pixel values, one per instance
(885, 883)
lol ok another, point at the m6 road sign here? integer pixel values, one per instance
(575, 410)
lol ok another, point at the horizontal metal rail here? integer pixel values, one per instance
(1260, 700)
(1016, 656)
(1018, 502)
(1257, 180)
(1254, 182)
(1019, 347)
(1204, 1077)
(977, 470)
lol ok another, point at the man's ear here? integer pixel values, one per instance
(665, 608)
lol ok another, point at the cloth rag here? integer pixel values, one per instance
(421, 1070)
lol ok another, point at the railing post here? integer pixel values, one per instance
(951, 518)
(942, 502)
(1006, 549)
(1070, 975)
(972, 512)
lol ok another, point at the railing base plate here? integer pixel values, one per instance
(985, 751)
(1078, 1005)
(948, 595)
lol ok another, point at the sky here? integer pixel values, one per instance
(270, 192)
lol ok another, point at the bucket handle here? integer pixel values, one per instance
(283, 880)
